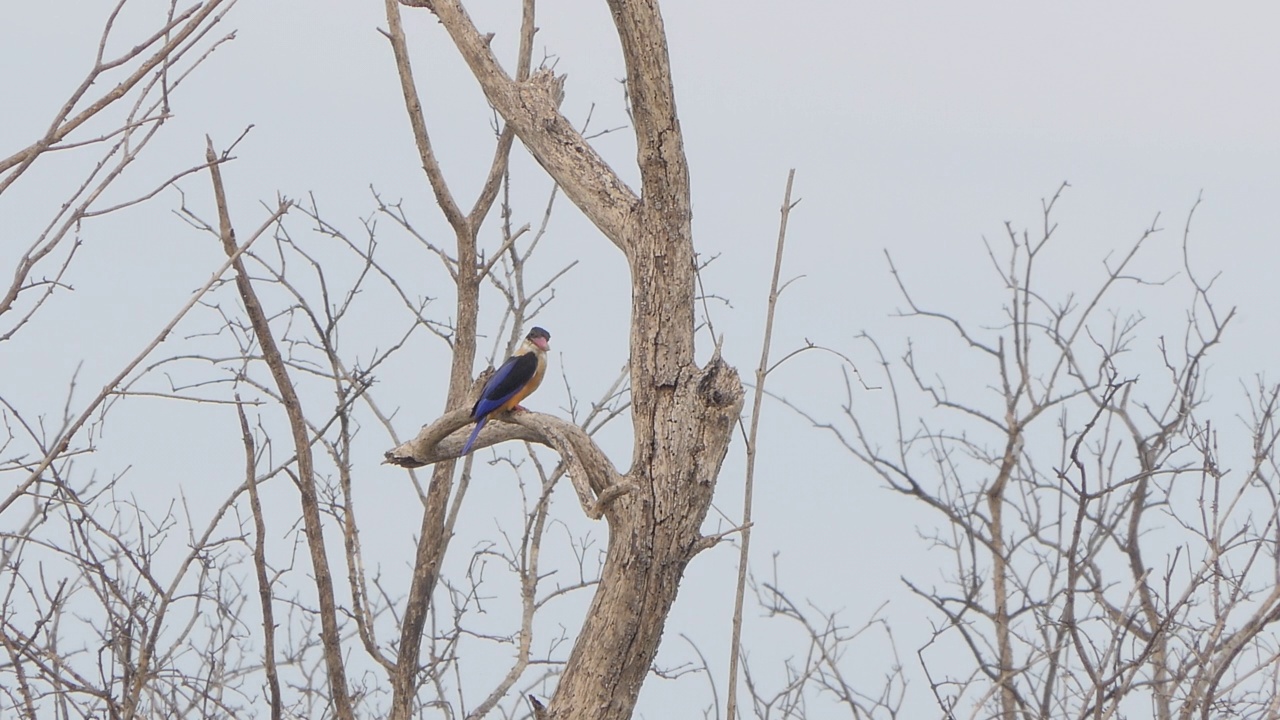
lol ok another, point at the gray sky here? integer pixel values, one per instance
(919, 128)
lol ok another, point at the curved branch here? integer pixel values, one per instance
(594, 478)
(437, 441)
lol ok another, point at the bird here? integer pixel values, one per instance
(519, 376)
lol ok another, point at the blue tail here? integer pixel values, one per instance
(474, 434)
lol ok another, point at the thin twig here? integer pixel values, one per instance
(260, 564)
(762, 371)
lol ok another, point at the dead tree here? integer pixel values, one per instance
(1106, 553)
(682, 414)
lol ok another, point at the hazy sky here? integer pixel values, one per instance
(919, 128)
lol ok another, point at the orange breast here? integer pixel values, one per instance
(528, 388)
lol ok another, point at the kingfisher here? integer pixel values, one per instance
(519, 376)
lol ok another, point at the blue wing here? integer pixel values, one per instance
(514, 374)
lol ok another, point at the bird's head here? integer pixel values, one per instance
(539, 337)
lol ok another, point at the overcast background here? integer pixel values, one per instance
(919, 128)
